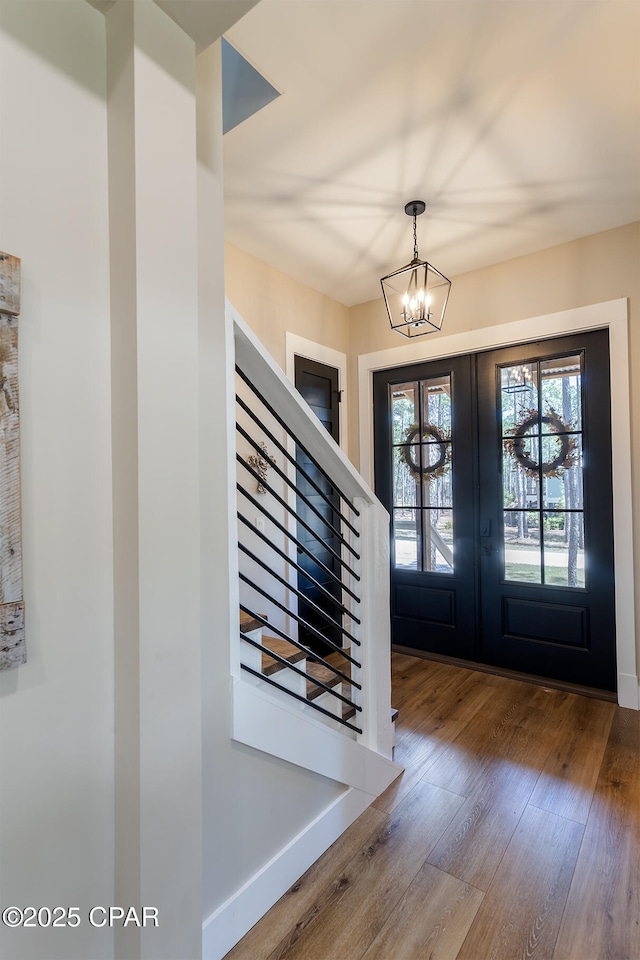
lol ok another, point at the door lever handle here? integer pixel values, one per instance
(486, 546)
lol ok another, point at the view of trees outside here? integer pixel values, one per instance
(422, 476)
(541, 408)
(542, 489)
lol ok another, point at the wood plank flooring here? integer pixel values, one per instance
(513, 833)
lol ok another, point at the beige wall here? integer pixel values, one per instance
(602, 267)
(272, 304)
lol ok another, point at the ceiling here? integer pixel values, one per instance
(517, 121)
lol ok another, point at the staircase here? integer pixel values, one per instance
(310, 669)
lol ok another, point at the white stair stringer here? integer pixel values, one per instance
(281, 730)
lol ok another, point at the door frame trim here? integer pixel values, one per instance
(612, 315)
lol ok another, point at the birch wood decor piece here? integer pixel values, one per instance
(12, 641)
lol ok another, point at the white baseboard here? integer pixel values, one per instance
(628, 691)
(229, 923)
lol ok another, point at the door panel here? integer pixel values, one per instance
(424, 415)
(502, 517)
(546, 578)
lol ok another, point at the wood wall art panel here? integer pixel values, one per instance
(9, 284)
(12, 637)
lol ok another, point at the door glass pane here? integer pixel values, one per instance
(520, 485)
(563, 487)
(404, 410)
(406, 539)
(438, 541)
(561, 387)
(522, 561)
(437, 490)
(405, 484)
(519, 394)
(436, 393)
(564, 549)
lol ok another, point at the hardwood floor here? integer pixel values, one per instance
(514, 832)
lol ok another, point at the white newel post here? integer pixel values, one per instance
(155, 422)
(375, 629)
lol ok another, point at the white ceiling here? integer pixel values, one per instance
(517, 121)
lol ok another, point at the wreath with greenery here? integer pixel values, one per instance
(428, 434)
(567, 455)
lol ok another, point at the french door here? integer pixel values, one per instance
(496, 470)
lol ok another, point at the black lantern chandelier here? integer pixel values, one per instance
(415, 295)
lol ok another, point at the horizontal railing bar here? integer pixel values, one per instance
(292, 460)
(283, 424)
(294, 539)
(296, 566)
(289, 509)
(292, 666)
(314, 606)
(292, 486)
(299, 619)
(311, 655)
(299, 696)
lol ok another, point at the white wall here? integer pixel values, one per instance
(56, 711)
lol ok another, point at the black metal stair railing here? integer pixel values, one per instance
(298, 560)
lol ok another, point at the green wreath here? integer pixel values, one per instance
(428, 433)
(567, 455)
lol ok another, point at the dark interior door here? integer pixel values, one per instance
(505, 458)
(318, 384)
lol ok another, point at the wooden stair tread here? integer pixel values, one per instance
(337, 660)
(317, 671)
(284, 649)
(248, 623)
(347, 712)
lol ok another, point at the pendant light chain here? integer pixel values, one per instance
(415, 240)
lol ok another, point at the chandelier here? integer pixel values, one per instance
(415, 295)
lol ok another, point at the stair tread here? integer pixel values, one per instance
(248, 623)
(347, 711)
(284, 649)
(338, 661)
(317, 671)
